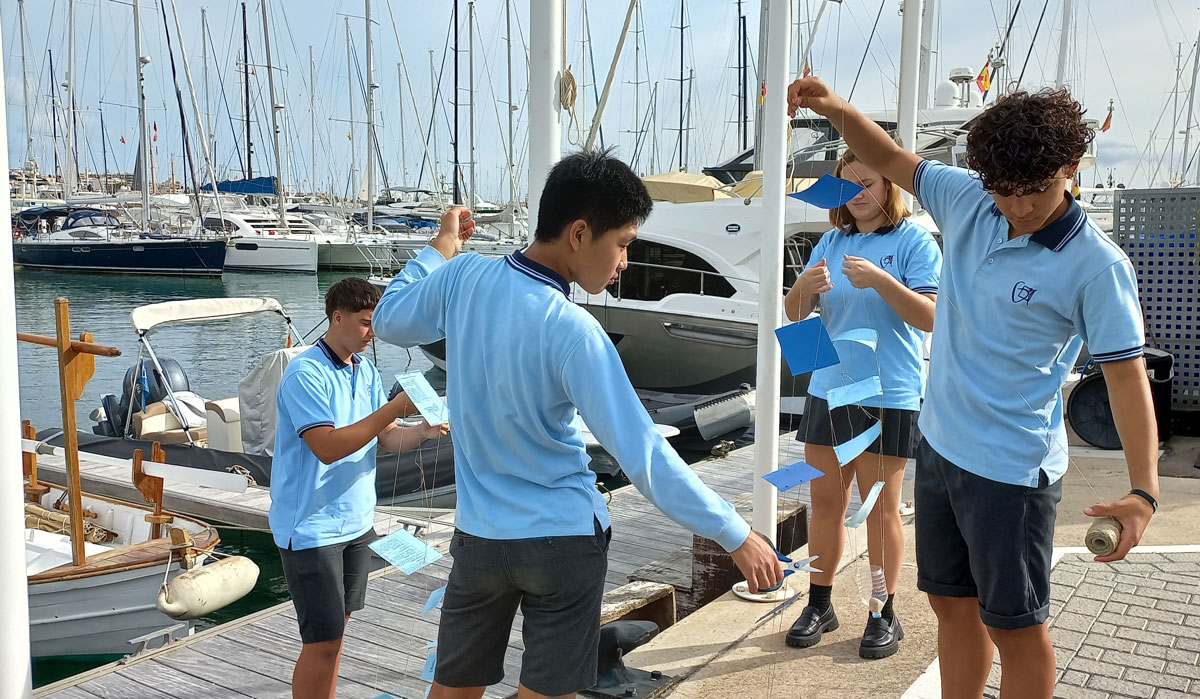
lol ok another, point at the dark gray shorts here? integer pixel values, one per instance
(557, 582)
(326, 584)
(982, 538)
(898, 436)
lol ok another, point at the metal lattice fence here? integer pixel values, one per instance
(1158, 228)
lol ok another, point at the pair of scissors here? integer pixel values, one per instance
(790, 567)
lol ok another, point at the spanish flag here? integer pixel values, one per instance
(1108, 120)
(984, 81)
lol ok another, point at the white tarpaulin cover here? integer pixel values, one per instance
(146, 317)
(256, 400)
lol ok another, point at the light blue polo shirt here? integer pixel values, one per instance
(524, 363)
(1011, 318)
(909, 253)
(315, 504)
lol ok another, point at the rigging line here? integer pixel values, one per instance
(1032, 42)
(1004, 43)
(1108, 67)
(866, 50)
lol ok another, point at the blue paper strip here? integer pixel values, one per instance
(829, 192)
(405, 551)
(806, 346)
(435, 598)
(846, 451)
(791, 476)
(430, 666)
(431, 405)
(427, 688)
(431, 644)
(854, 520)
(854, 393)
(865, 336)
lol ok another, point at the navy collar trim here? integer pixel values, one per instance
(881, 230)
(332, 356)
(536, 270)
(1061, 230)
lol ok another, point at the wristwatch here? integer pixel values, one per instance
(1148, 497)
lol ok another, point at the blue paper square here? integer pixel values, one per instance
(405, 551)
(435, 598)
(829, 192)
(806, 346)
(791, 476)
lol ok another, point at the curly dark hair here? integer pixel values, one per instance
(1021, 142)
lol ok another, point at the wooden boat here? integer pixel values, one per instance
(95, 565)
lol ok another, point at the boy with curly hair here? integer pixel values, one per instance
(1026, 280)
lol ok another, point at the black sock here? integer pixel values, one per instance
(887, 612)
(819, 596)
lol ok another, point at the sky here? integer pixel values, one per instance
(1117, 53)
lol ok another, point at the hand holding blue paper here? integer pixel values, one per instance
(428, 402)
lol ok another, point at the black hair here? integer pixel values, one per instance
(1021, 142)
(593, 186)
(351, 295)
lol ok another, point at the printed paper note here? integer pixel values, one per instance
(405, 551)
(431, 405)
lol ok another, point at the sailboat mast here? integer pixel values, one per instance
(350, 101)
(312, 119)
(454, 144)
(274, 119)
(926, 74)
(204, 149)
(512, 180)
(1064, 44)
(433, 138)
(1175, 111)
(743, 112)
(246, 84)
(1187, 125)
(370, 123)
(71, 171)
(25, 88)
(208, 132)
(400, 109)
(471, 98)
(143, 133)
(682, 159)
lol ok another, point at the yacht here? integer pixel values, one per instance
(86, 239)
(260, 242)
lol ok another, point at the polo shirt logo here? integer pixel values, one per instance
(886, 261)
(1022, 293)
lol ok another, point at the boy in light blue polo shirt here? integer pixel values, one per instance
(1026, 280)
(524, 364)
(333, 413)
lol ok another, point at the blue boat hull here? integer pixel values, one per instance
(204, 258)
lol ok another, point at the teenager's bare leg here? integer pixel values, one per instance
(830, 494)
(885, 531)
(964, 647)
(1026, 662)
(315, 676)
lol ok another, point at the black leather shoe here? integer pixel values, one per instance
(880, 639)
(812, 623)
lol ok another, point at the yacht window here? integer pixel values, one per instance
(656, 271)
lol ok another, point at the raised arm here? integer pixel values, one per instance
(867, 139)
(412, 310)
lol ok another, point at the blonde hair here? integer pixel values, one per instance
(893, 202)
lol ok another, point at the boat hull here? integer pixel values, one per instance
(204, 258)
(271, 254)
(97, 615)
(353, 257)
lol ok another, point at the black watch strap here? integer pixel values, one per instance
(1149, 498)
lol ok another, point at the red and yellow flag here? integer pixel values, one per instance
(984, 81)
(1108, 120)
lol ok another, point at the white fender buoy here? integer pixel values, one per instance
(208, 588)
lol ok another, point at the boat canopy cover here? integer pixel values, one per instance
(146, 317)
(256, 185)
(683, 187)
(751, 185)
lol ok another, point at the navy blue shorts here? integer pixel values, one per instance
(327, 583)
(982, 538)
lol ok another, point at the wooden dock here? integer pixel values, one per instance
(384, 650)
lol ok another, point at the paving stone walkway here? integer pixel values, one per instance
(1127, 629)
